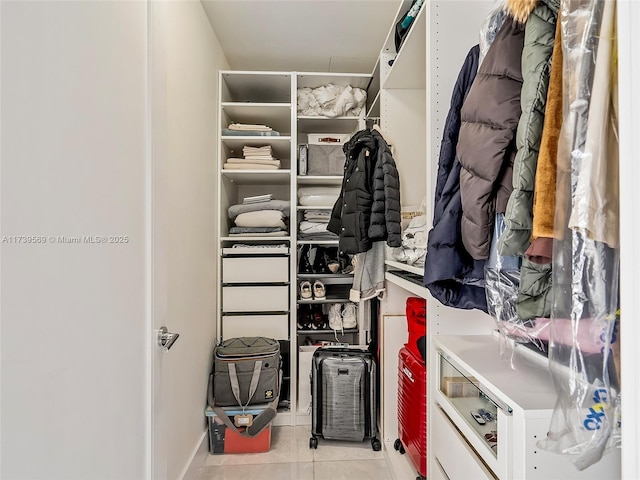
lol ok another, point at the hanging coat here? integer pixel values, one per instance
(539, 34)
(450, 274)
(368, 208)
(486, 145)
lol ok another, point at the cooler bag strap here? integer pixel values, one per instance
(235, 386)
(262, 421)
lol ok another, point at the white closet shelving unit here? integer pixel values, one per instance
(413, 103)
(337, 285)
(255, 282)
(259, 286)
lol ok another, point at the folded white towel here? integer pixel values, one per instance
(247, 126)
(259, 198)
(250, 158)
(248, 166)
(266, 149)
(254, 161)
(261, 218)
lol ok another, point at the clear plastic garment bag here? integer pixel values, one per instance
(584, 343)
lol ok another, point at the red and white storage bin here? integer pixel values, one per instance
(223, 439)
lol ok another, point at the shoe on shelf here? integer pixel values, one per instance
(304, 317)
(317, 318)
(319, 292)
(305, 290)
(304, 265)
(335, 317)
(349, 316)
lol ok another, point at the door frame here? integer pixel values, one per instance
(157, 237)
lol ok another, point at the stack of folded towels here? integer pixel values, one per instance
(260, 215)
(242, 129)
(255, 158)
(314, 225)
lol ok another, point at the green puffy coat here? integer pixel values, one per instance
(536, 65)
(534, 298)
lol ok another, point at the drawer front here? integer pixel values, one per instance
(458, 460)
(255, 269)
(270, 326)
(436, 472)
(255, 298)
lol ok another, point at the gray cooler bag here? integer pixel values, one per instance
(246, 371)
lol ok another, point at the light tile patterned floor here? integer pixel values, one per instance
(290, 458)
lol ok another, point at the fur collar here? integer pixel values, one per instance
(521, 9)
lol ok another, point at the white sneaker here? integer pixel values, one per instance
(349, 316)
(335, 317)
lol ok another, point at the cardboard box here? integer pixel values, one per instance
(459, 387)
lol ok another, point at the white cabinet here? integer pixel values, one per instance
(516, 396)
(254, 271)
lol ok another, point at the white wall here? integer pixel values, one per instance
(193, 59)
(73, 163)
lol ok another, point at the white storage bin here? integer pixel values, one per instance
(327, 138)
(255, 298)
(255, 269)
(270, 326)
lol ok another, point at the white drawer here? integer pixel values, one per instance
(458, 460)
(270, 326)
(255, 298)
(255, 269)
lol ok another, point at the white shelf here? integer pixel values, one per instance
(319, 179)
(256, 250)
(409, 67)
(405, 267)
(256, 238)
(274, 115)
(374, 109)
(280, 145)
(302, 207)
(318, 242)
(244, 86)
(271, 177)
(522, 383)
(407, 285)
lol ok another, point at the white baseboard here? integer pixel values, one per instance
(192, 470)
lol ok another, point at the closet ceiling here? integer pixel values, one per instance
(302, 35)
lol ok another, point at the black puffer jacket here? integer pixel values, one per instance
(368, 209)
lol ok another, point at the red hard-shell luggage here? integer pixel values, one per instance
(412, 410)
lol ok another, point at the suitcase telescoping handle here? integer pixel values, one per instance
(344, 351)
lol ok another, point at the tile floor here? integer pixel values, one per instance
(290, 458)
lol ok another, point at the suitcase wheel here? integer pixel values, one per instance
(376, 445)
(313, 442)
(397, 445)
(420, 477)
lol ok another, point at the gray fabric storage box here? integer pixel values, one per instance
(325, 160)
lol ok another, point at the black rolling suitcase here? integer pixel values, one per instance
(343, 390)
